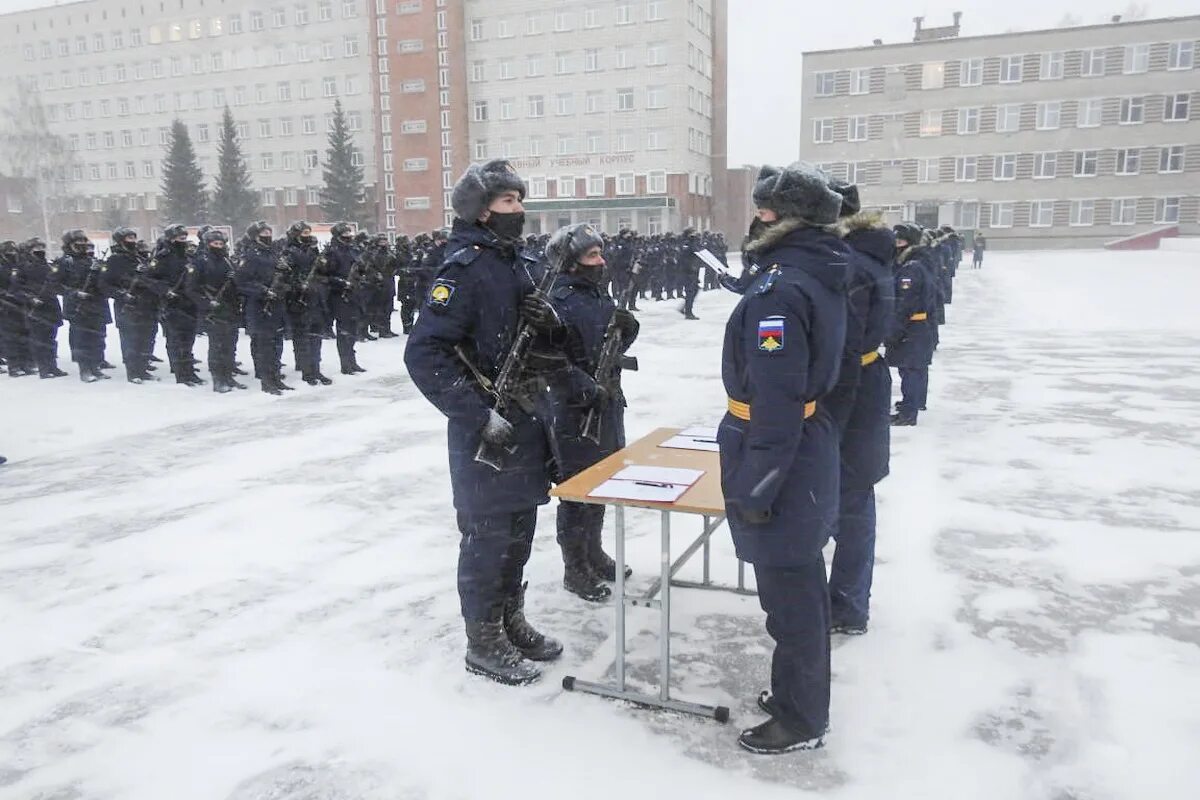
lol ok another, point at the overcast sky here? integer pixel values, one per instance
(766, 38)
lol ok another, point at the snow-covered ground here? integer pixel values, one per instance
(246, 597)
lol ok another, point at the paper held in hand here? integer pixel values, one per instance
(648, 484)
(712, 262)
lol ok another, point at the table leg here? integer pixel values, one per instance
(664, 648)
(620, 598)
(741, 575)
(707, 554)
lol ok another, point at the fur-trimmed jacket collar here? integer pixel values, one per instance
(774, 234)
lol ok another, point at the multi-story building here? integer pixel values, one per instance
(613, 110)
(112, 75)
(609, 109)
(1063, 137)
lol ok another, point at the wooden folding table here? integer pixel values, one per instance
(703, 499)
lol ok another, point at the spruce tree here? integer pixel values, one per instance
(234, 201)
(341, 197)
(184, 199)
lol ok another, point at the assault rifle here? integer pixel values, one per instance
(503, 390)
(278, 285)
(608, 366)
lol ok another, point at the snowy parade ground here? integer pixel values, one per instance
(244, 597)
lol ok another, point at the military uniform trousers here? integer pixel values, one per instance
(306, 341)
(346, 314)
(914, 389)
(179, 328)
(87, 336)
(222, 346)
(136, 330)
(854, 557)
(14, 339)
(492, 555)
(43, 343)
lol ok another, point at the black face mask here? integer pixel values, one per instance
(265, 241)
(179, 245)
(507, 227)
(589, 272)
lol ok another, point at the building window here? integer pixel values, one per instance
(537, 106)
(860, 81)
(308, 125)
(624, 99)
(1166, 210)
(1052, 65)
(533, 25)
(565, 187)
(1041, 214)
(966, 168)
(1008, 118)
(538, 187)
(593, 102)
(535, 146)
(508, 108)
(591, 60)
(1137, 58)
(928, 170)
(481, 149)
(1083, 212)
(533, 66)
(1090, 112)
(1085, 163)
(416, 203)
(1133, 110)
(478, 71)
(1049, 115)
(1129, 161)
(931, 122)
(1011, 68)
(626, 183)
(504, 30)
(1092, 65)
(283, 92)
(656, 139)
(625, 14)
(1045, 165)
(1181, 55)
(857, 129)
(1177, 107)
(476, 30)
(624, 58)
(311, 161)
(1004, 167)
(656, 97)
(970, 72)
(329, 86)
(654, 11)
(562, 22)
(480, 111)
(1170, 158)
(1124, 211)
(624, 142)
(350, 46)
(1002, 215)
(656, 54)
(826, 84)
(822, 131)
(564, 104)
(595, 142)
(968, 214)
(933, 75)
(595, 185)
(968, 121)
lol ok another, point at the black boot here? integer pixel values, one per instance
(492, 655)
(602, 564)
(773, 738)
(239, 371)
(106, 365)
(53, 372)
(235, 385)
(100, 376)
(533, 644)
(901, 421)
(324, 381)
(279, 382)
(311, 380)
(356, 367)
(578, 577)
(220, 386)
(269, 386)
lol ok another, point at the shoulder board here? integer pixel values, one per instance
(768, 282)
(464, 255)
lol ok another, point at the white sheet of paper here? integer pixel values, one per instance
(690, 443)
(674, 475)
(699, 432)
(632, 490)
(713, 262)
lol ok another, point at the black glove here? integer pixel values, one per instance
(497, 430)
(537, 311)
(627, 324)
(598, 396)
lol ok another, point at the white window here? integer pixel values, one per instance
(538, 187)
(591, 60)
(656, 54)
(508, 108)
(1090, 112)
(928, 170)
(656, 97)
(626, 183)
(624, 142)
(1137, 58)
(1049, 115)
(1177, 107)
(933, 75)
(1133, 110)
(593, 102)
(1002, 215)
(505, 70)
(624, 58)
(931, 122)
(968, 121)
(562, 21)
(533, 25)
(1004, 167)
(968, 214)
(308, 125)
(565, 186)
(535, 146)
(625, 99)
(329, 86)
(566, 144)
(1045, 165)
(591, 18)
(283, 92)
(822, 131)
(268, 195)
(656, 182)
(654, 11)
(537, 106)
(1011, 69)
(595, 185)
(564, 104)
(1008, 118)
(481, 149)
(416, 203)
(476, 30)
(264, 128)
(1170, 158)
(312, 196)
(595, 142)
(1181, 55)
(1092, 65)
(481, 111)
(857, 129)
(1129, 161)
(410, 126)
(1041, 213)
(1083, 212)
(860, 80)
(1166, 210)
(1124, 211)
(625, 13)
(562, 63)
(416, 164)
(966, 168)
(1085, 163)
(268, 161)
(656, 139)
(504, 30)
(478, 71)
(970, 72)
(1052, 65)
(826, 84)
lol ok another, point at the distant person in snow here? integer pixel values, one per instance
(980, 246)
